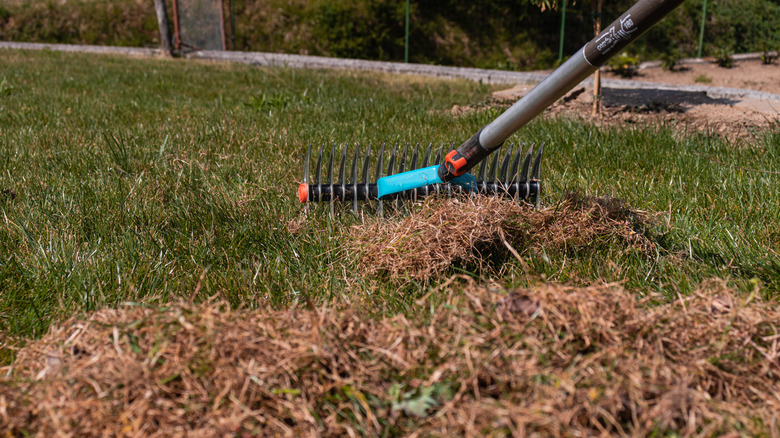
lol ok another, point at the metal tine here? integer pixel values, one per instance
(438, 161)
(413, 166)
(366, 162)
(516, 169)
(306, 161)
(354, 177)
(493, 166)
(516, 163)
(318, 173)
(536, 169)
(379, 160)
(502, 173)
(526, 164)
(439, 155)
(329, 181)
(391, 161)
(329, 178)
(426, 159)
(318, 168)
(342, 167)
(427, 155)
(537, 200)
(508, 173)
(402, 169)
(481, 170)
(402, 162)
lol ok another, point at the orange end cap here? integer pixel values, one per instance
(303, 192)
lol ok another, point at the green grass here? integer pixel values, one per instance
(138, 179)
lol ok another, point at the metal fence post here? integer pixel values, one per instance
(406, 37)
(701, 30)
(563, 25)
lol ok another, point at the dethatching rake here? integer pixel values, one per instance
(452, 172)
(515, 176)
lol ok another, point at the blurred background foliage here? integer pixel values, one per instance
(504, 34)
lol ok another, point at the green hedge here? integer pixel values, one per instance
(508, 34)
(113, 22)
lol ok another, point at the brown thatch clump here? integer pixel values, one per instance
(559, 361)
(426, 243)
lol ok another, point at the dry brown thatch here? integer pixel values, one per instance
(426, 243)
(559, 361)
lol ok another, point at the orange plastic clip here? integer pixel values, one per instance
(457, 165)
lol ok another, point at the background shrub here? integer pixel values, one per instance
(506, 34)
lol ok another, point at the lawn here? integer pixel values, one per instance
(151, 181)
(136, 179)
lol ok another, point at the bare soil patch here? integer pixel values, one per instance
(748, 74)
(733, 118)
(554, 360)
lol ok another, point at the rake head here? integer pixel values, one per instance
(512, 173)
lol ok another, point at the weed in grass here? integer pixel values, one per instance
(723, 57)
(5, 87)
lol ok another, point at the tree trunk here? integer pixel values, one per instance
(165, 28)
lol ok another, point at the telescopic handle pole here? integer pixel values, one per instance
(633, 23)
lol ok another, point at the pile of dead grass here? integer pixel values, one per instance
(443, 232)
(559, 361)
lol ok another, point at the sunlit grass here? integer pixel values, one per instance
(131, 179)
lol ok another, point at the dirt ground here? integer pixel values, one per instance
(732, 117)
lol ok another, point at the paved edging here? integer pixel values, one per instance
(112, 50)
(475, 74)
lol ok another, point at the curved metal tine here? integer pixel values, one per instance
(342, 168)
(427, 155)
(516, 168)
(502, 173)
(329, 180)
(481, 170)
(438, 161)
(508, 158)
(306, 161)
(536, 169)
(318, 172)
(391, 161)
(526, 164)
(493, 167)
(402, 169)
(426, 159)
(516, 163)
(366, 162)
(415, 154)
(535, 175)
(354, 178)
(413, 166)
(379, 162)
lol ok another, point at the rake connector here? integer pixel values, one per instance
(515, 176)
